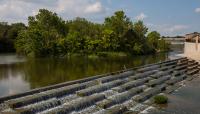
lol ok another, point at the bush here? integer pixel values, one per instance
(160, 99)
(111, 54)
(102, 54)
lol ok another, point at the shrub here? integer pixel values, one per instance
(102, 54)
(160, 99)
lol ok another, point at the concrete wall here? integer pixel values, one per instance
(192, 50)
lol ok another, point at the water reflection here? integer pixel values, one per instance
(21, 76)
(12, 80)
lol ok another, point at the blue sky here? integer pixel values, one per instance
(169, 17)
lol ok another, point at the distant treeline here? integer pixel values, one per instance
(47, 34)
(173, 36)
(8, 35)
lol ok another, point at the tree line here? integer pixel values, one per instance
(8, 35)
(47, 34)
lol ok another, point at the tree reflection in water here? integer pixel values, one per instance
(33, 73)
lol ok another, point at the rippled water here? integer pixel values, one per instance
(185, 100)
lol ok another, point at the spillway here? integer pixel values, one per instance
(121, 92)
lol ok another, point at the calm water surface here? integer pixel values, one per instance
(22, 74)
(18, 74)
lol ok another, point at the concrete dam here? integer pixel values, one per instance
(128, 91)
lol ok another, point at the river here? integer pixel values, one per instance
(19, 74)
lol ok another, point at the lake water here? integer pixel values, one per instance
(18, 74)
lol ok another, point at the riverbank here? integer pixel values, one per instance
(109, 54)
(99, 54)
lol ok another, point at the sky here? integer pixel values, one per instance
(169, 17)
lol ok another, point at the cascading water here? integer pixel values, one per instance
(120, 92)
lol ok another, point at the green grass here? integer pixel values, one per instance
(160, 99)
(111, 54)
(100, 54)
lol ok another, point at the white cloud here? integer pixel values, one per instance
(94, 8)
(79, 7)
(13, 10)
(197, 10)
(176, 28)
(19, 10)
(169, 29)
(141, 16)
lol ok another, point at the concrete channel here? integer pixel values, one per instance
(122, 92)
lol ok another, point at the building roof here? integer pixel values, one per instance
(194, 33)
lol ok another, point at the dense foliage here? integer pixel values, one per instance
(49, 35)
(155, 42)
(8, 34)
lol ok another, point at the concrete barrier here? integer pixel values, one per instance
(16, 103)
(100, 88)
(175, 80)
(115, 77)
(148, 68)
(119, 109)
(39, 107)
(120, 98)
(131, 84)
(158, 81)
(142, 75)
(79, 104)
(161, 74)
(148, 94)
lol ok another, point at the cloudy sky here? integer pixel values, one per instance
(169, 17)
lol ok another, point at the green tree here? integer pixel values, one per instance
(120, 24)
(49, 35)
(109, 41)
(85, 28)
(48, 28)
(74, 41)
(140, 41)
(85, 34)
(156, 43)
(140, 29)
(8, 34)
(14, 30)
(152, 39)
(93, 46)
(163, 45)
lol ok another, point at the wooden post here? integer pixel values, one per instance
(197, 38)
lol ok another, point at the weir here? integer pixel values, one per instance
(120, 92)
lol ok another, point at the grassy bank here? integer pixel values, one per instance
(99, 54)
(110, 54)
